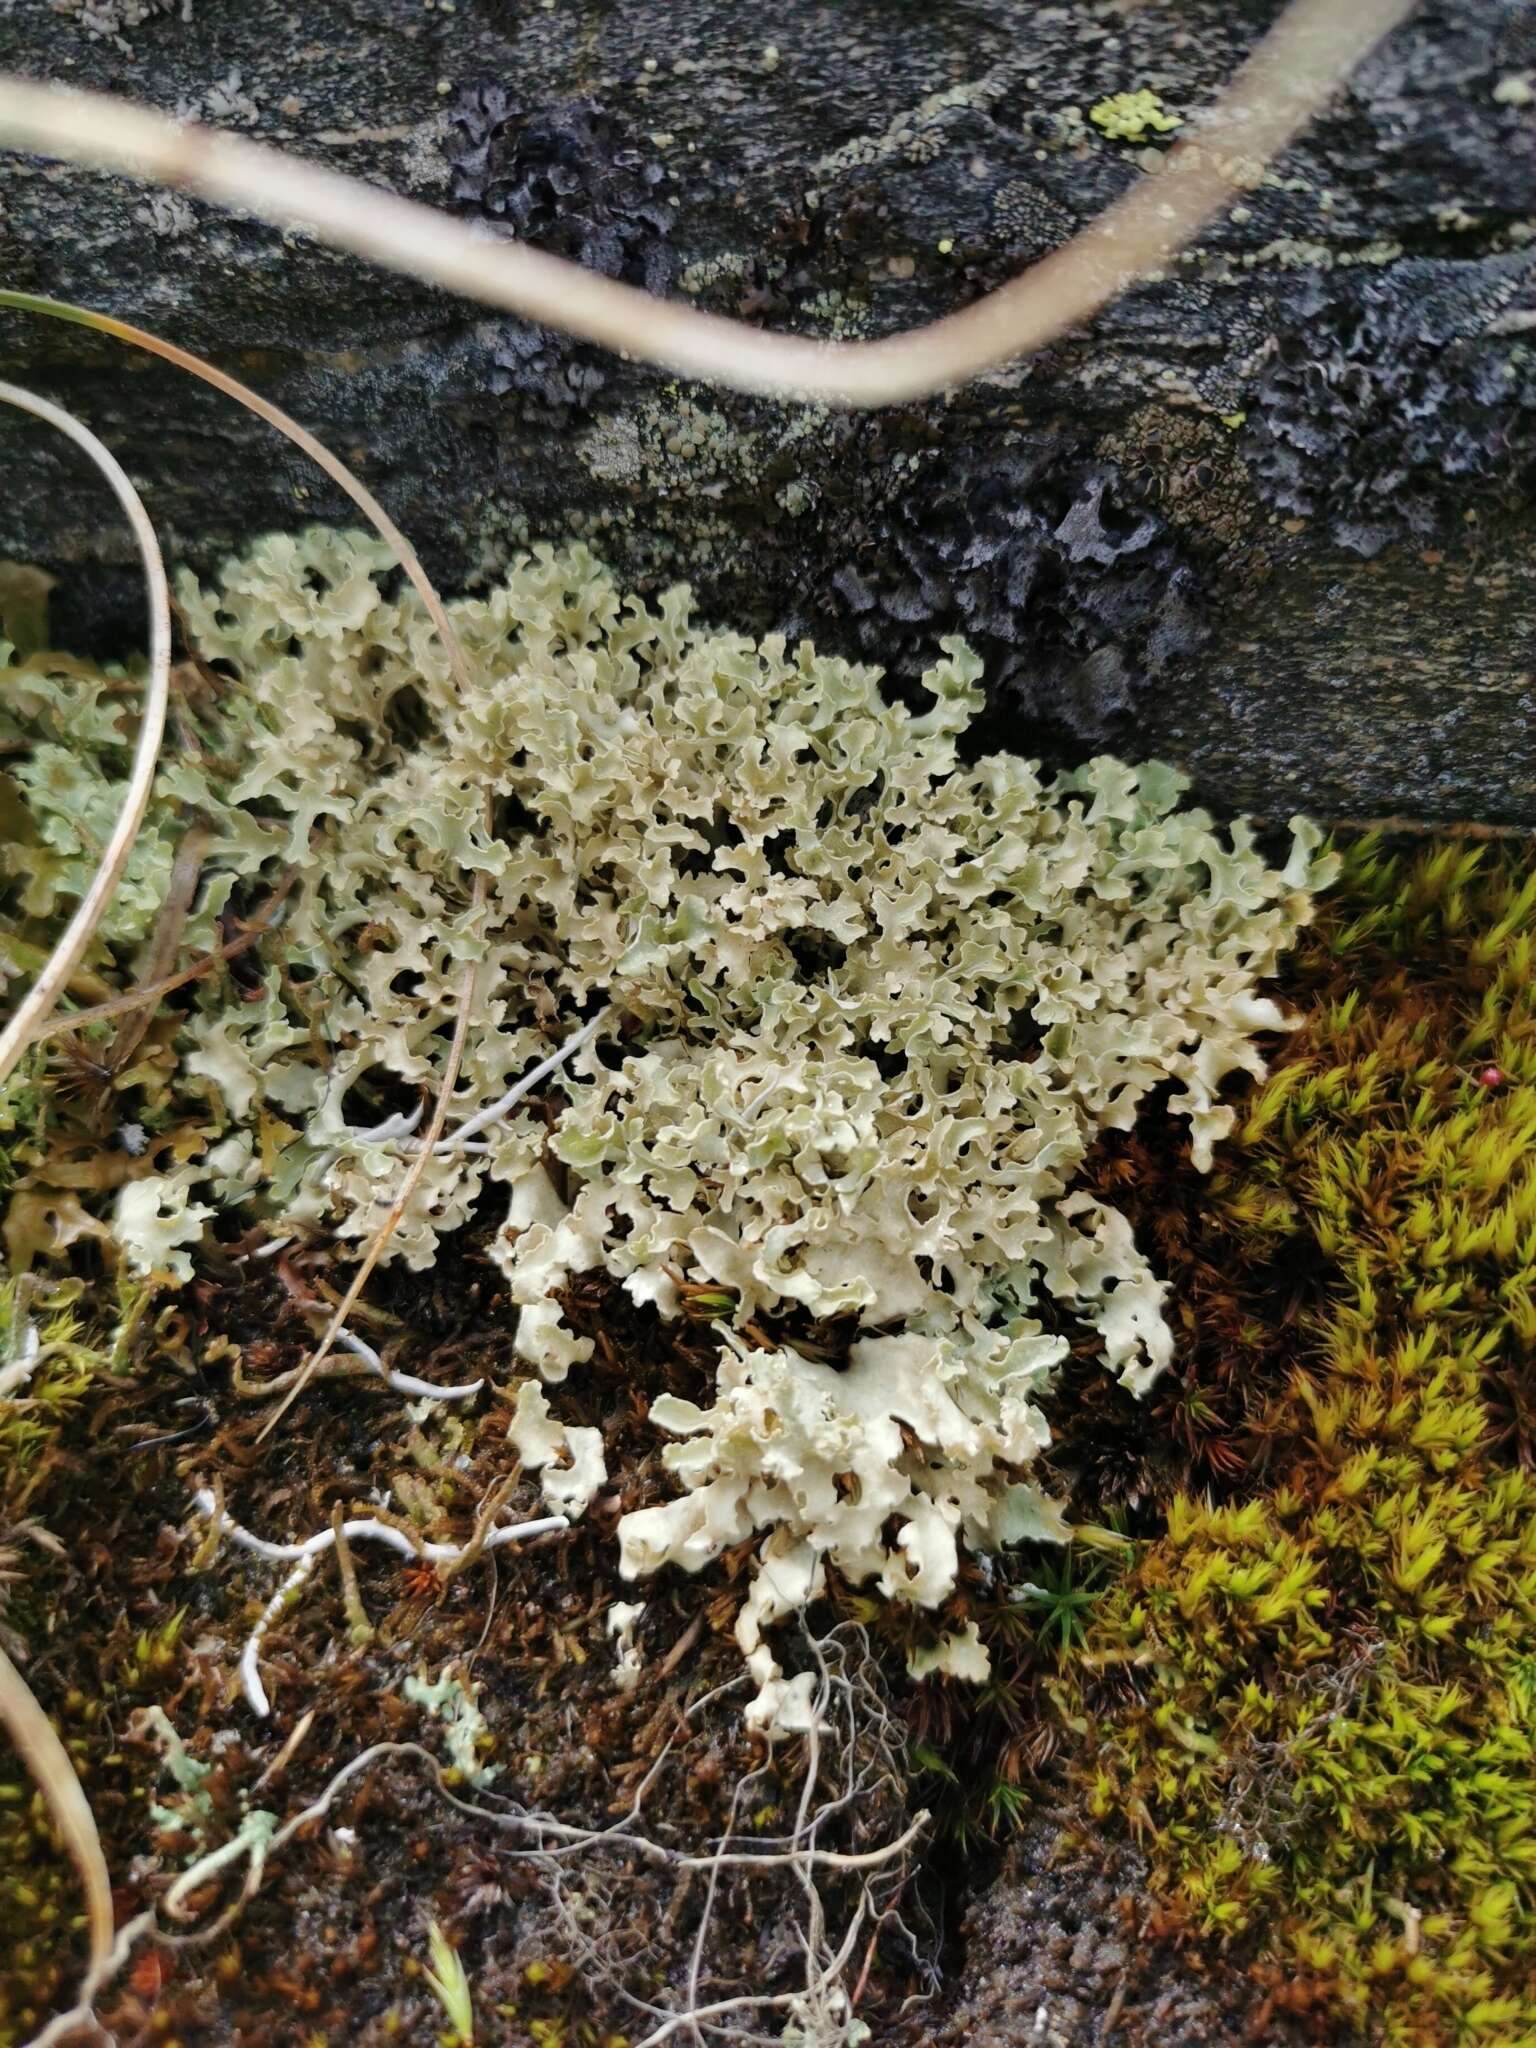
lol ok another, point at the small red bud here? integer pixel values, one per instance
(1491, 1077)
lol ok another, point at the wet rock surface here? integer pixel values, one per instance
(1271, 515)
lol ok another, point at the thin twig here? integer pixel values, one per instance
(318, 453)
(165, 941)
(413, 1174)
(151, 992)
(38, 1745)
(1310, 52)
(27, 1725)
(67, 954)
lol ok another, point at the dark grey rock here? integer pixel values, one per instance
(1063, 1950)
(1271, 515)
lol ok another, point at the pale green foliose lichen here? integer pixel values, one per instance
(865, 1007)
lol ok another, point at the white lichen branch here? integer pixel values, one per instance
(369, 1366)
(368, 1530)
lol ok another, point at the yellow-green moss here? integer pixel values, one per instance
(1331, 1682)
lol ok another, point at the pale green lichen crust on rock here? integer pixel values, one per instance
(861, 1008)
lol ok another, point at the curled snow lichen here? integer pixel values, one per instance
(859, 1010)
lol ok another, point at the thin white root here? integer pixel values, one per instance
(495, 1111)
(405, 1382)
(303, 1557)
(1309, 52)
(44, 993)
(368, 1530)
(285, 1597)
(851, 1720)
(249, 1845)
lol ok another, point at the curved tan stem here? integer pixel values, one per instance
(1305, 57)
(318, 453)
(38, 1745)
(67, 954)
(397, 1208)
(30, 1019)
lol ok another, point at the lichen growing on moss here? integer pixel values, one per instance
(1313, 1699)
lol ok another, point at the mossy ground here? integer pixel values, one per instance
(1312, 1694)
(1296, 1667)
(1307, 1688)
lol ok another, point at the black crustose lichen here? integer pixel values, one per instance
(581, 183)
(1383, 398)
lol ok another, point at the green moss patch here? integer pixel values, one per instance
(1311, 1695)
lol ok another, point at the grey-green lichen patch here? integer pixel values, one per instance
(113, 20)
(467, 1737)
(1030, 219)
(709, 271)
(671, 444)
(915, 135)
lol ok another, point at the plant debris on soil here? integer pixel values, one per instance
(333, 1946)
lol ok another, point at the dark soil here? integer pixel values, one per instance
(137, 1614)
(133, 1611)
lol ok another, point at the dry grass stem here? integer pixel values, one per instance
(1310, 52)
(38, 1745)
(45, 991)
